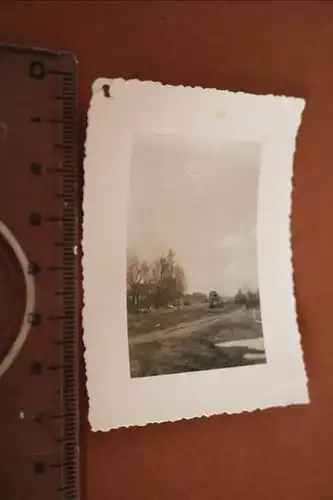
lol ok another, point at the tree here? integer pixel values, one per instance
(248, 298)
(138, 273)
(169, 279)
(240, 297)
(159, 283)
(159, 274)
(180, 281)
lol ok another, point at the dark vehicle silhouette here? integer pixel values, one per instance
(215, 300)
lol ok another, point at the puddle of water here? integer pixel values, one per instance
(255, 356)
(257, 344)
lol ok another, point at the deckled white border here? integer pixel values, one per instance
(115, 399)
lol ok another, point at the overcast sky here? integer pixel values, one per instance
(200, 199)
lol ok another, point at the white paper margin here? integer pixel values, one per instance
(116, 400)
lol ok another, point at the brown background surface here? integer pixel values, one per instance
(261, 47)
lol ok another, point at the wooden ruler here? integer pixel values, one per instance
(39, 200)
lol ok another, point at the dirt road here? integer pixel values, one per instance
(225, 319)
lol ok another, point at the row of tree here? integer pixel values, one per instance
(248, 298)
(155, 283)
(162, 281)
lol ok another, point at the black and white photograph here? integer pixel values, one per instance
(193, 300)
(189, 306)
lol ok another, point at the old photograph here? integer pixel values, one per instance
(193, 300)
(189, 306)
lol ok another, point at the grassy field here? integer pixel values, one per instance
(185, 355)
(195, 347)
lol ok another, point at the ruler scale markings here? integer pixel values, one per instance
(57, 73)
(70, 232)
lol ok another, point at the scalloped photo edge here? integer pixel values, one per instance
(189, 309)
